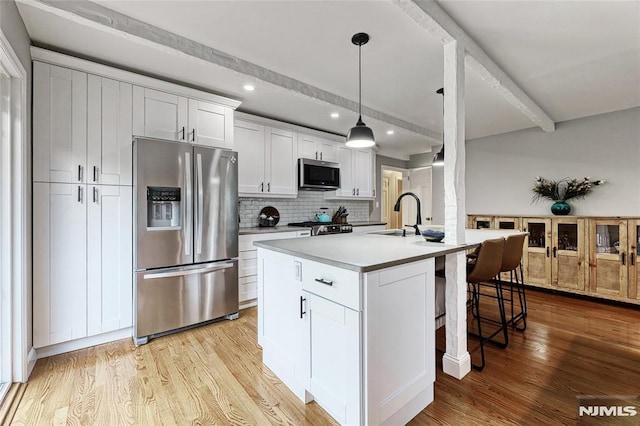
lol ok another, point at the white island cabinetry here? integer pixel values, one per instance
(361, 343)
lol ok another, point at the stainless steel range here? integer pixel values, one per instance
(324, 228)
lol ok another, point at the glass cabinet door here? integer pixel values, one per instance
(537, 251)
(502, 222)
(634, 252)
(608, 257)
(568, 253)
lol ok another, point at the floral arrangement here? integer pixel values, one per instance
(564, 189)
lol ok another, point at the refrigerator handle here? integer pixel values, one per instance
(183, 272)
(188, 220)
(199, 204)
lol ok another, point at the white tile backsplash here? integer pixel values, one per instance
(300, 209)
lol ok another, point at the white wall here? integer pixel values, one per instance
(500, 170)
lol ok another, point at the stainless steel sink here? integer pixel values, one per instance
(392, 232)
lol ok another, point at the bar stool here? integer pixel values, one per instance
(482, 272)
(512, 263)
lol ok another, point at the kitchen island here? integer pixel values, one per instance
(348, 321)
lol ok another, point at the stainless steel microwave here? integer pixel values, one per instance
(317, 175)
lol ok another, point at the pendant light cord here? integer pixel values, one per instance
(360, 80)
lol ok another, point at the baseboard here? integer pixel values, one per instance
(32, 357)
(248, 304)
(86, 342)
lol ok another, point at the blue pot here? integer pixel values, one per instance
(560, 208)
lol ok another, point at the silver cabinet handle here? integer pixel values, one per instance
(302, 300)
(323, 281)
(79, 173)
(200, 203)
(79, 194)
(182, 131)
(95, 195)
(357, 191)
(95, 174)
(191, 271)
(353, 191)
(261, 186)
(193, 135)
(374, 192)
(187, 204)
(316, 155)
(269, 187)
(321, 155)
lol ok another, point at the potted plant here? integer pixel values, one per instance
(562, 190)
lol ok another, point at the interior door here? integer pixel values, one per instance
(164, 224)
(215, 204)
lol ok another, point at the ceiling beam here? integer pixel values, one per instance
(430, 16)
(108, 20)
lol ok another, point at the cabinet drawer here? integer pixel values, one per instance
(245, 241)
(248, 288)
(247, 267)
(335, 284)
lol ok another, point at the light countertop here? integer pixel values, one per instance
(370, 252)
(269, 229)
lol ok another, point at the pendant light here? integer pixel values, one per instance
(360, 136)
(438, 159)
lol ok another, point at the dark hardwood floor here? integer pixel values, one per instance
(214, 375)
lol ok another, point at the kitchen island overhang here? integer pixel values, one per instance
(348, 320)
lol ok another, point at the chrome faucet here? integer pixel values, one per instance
(396, 208)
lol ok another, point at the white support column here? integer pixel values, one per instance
(456, 361)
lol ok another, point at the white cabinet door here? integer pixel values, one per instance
(363, 172)
(333, 342)
(210, 124)
(327, 149)
(109, 131)
(315, 148)
(109, 258)
(59, 124)
(158, 114)
(344, 156)
(281, 323)
(250, 143)
(281, 160)
(59, 263)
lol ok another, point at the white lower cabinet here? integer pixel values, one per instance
(333, 337)
(82, 279)
(281, 323)
(361, 344)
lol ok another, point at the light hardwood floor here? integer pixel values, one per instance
(214, 375)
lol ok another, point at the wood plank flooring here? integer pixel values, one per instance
(214, 375)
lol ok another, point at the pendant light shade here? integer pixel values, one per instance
(438, 159)
(360, 136)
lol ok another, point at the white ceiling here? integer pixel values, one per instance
(573, 58)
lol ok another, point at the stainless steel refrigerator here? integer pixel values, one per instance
(186, 236)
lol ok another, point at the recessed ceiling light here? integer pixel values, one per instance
(249, 88)
(389, 132)
(335, 115)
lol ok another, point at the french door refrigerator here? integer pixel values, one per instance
(186, 233)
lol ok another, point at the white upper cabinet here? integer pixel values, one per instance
(267, 160)
(109, 115)
(164, 115)
(59, 124)
(210, 124)
(357, 173)
(250, 144)
(160, 115)
(281, 158)
(81, 127)
(316, 148)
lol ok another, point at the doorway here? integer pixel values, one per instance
(392, 181)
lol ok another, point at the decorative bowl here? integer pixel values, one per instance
(432, 235)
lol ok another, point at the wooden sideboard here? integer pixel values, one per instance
(588, 255)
